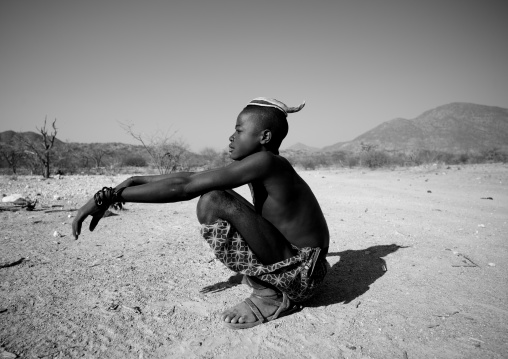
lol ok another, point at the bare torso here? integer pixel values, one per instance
(285, 199)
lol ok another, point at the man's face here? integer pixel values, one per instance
(246, 138)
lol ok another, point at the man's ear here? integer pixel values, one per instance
(266, 137)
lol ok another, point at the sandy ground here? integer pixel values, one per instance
(418, 260)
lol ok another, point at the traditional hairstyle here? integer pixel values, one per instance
(272, 115)
(271, 102)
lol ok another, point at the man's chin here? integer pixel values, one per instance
(235, 157)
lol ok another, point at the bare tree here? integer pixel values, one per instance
(371, 157)
(166, 154)
(31, 162)
(96, 154)
(12, 153)
(215, 158)
(41, 149)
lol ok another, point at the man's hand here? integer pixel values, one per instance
(89, 209)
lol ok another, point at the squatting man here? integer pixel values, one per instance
(279, 243)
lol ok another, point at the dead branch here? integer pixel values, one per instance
(10, 208)
(41, 150)
(10, 263)
(166, 154)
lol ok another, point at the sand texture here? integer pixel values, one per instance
(418, 256)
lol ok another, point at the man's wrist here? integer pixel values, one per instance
(109, 196)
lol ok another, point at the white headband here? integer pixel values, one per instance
(270, 102)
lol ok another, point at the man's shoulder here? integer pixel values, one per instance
(268, 156)
(263, 157)
(271, 159)
(266, 164)
(255, 166)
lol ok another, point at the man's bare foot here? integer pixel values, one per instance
(242, 313)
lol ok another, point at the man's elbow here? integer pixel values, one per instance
(132, 180)
(188, 192)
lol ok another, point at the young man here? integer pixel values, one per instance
(279, 244)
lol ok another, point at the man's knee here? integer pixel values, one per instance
(210, 205)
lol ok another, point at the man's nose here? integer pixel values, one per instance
(232, 138)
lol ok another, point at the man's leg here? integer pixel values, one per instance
(267, 243)
(264, 240)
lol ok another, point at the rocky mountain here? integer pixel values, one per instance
(454, 128)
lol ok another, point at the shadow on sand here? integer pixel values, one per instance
(232, 281)
(346, 280)
(352, 275)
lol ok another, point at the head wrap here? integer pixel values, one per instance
(270, 102)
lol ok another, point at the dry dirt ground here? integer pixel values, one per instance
(418, 256)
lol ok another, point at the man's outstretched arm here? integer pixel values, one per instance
(169, 189)
(176, 188)
(139, 180)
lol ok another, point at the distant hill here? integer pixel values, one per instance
(114, 152)
(454, 128)
(7, 136)
(333, 148)
(301, 147)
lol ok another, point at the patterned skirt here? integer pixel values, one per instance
(297, 276)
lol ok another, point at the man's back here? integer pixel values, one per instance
(284, 199)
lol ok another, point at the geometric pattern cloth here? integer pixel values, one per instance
(298, 276)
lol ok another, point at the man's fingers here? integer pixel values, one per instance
(76, 229)
(93, 223)
(95, 220)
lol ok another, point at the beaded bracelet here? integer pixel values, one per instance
(107, 197)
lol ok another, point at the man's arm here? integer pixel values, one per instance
(190, 185)
(174, 188)
(138, 180)
(151, 188)
(90, 209)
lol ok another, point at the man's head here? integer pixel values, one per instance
(261, 126)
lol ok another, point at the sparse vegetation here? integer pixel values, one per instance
(134, 161)
(166, 154)
(214, 158)
(12, 153)
(113, 158)
(39, 151)
(123, 158)
(395, 143)
(374, 158)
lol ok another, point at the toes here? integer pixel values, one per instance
(226, 318)
(233, 318)
(239, 314)
(229, 317)
(237, 319)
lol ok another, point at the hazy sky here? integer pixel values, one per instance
(192, 66)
